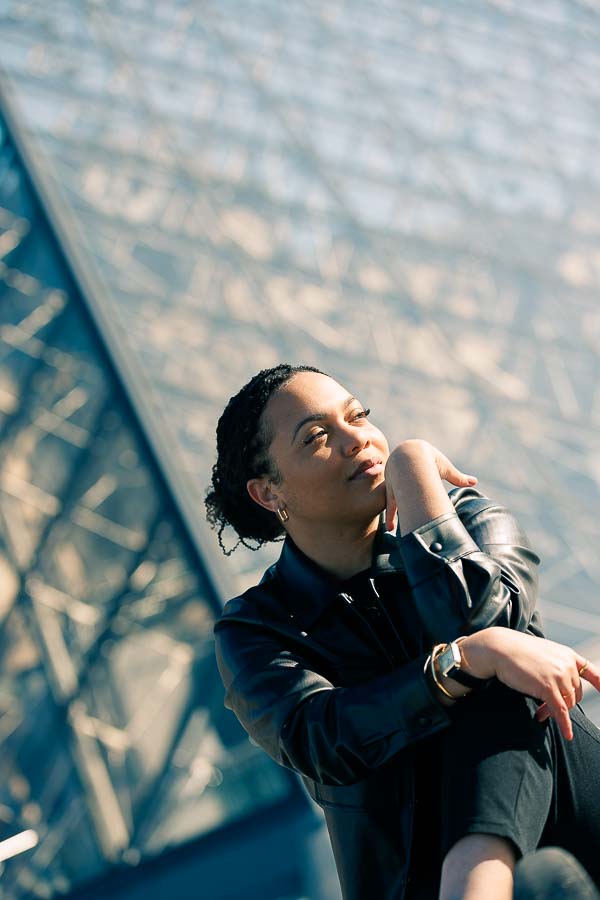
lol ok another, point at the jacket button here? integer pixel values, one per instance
(436, 547)
(424, 721)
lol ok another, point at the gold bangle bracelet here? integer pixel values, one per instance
(434, 653)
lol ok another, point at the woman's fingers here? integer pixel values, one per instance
(553, 708)
(588, 671)
(446, 468)
(557, 708)
(449, 472)
(540, 668)
(563, 721)
(570, 695)
(460, 478)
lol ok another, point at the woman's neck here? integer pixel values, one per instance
(341, 552)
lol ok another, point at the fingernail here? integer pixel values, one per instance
(472, 479)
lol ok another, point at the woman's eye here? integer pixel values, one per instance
(360, 414)
(312, 437)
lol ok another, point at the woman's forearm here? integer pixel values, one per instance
(418, 489)
(414, 476)
(543, 669)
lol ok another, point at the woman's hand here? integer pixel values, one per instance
(413, 482)
(543, 669)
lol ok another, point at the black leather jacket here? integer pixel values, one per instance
(312, 685)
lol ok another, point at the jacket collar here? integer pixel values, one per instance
(308, 588)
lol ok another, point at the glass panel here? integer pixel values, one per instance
(114, 739)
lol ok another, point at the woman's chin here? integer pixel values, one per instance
(375, 503)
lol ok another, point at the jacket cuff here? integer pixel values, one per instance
(409, 690)
(428, 548)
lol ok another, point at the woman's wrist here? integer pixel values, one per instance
(478, 652)
(477, 662)
(447, 689)
(439, 695)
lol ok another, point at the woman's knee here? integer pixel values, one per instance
(479, 866)
(552, 874)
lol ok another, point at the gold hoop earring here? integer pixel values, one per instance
(282, 514)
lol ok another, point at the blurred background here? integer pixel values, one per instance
(405, 194)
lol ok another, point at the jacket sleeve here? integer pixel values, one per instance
(333, 735)
(471, 569)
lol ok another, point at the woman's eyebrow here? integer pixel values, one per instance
(318, 417)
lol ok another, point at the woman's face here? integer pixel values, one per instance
(331, 458)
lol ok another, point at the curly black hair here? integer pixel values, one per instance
(243, 442)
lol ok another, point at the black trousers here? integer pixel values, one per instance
(496, 770)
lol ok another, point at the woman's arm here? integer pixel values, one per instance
(485, 576)
(468, 561)
(338, 735)
(413, 479)
(543, 669)
(334, 735)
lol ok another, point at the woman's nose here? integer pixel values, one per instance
(352, 441)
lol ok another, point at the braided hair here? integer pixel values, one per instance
(243, 441)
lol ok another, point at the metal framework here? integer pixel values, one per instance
(115, 743)
(405, 195)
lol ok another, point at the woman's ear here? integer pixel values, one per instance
(260, 489)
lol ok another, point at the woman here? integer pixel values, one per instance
(396, 672)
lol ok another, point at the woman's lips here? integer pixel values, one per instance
(369, 471)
